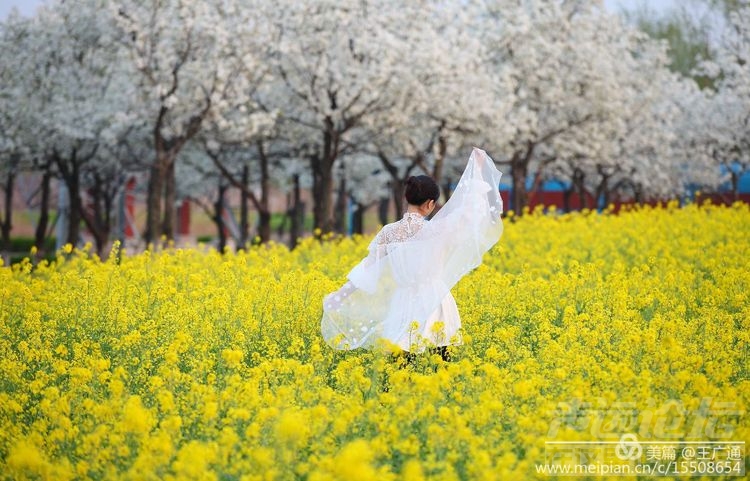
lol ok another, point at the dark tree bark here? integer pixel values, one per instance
(298, 214)
(735, 179)
(322, 190)
(73, 182)
(153, 203)
(95, 221)
(170, 197)
(398, 190)
(99, 220)
(358, 219)
(218, 217)
(576, 185)
(264, 213)
(437, 170)
(383, 208)
(602, 190)
(638, 193)
(162, 173)
(6, 223)
(322, 165)
(521, 159)
(71, 174)
(341, 208)
(447, 187)
(244, 209)
(537, 185)
(40, 233)
(261, 205)
(566, 199)
(581, 187)
(519, 170)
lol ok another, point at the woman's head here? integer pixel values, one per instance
(421, 189)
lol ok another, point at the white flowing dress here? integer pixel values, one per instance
(400, 292)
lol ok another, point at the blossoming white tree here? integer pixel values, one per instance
(195, 61)
(355, 97)
(74, 96)
(580, 79)
(633, 149)
(721, 133)
(446, 97)
(337, 61)
(10, 121)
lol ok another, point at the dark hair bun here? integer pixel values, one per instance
(420, 189)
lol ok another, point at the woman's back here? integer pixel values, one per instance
(401, 230)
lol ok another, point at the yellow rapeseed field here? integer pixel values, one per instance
(189, 364)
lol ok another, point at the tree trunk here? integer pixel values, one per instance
(162, 181)
(71, 177)
(606, 196)
(109, 204)
(73, 182)
(153, 204)
(638, 193)
(340, 220)
(518, 172)
(244, 209)
(437, 171)
(398, 189)
(7, 221)
(170, 197)
(322, 169)
(264, 213)
(99, 221)
(383, 207)
(40, 234)
(95, 221)
(218, 217)
(322, 194)
(358, 219)
(264, 226)
(601, 196)
(582, 192)
(567, 193)
(447, 189)
(295, 227)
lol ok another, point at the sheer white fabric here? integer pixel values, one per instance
(401, 290)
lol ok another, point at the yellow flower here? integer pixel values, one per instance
(233, 357)
(292, 428)
(412, 471)
(25, 457)
(210, 410)
(136, 418)
(186, 363)
(194, 459)
(355, 462)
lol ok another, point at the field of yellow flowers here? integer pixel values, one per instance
(189, 364)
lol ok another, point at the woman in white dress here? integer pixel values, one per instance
(400, 293)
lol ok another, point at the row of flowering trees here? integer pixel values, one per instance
(347, 98)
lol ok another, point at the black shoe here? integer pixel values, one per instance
(445, 355)
(404, 359)
(411, 358)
